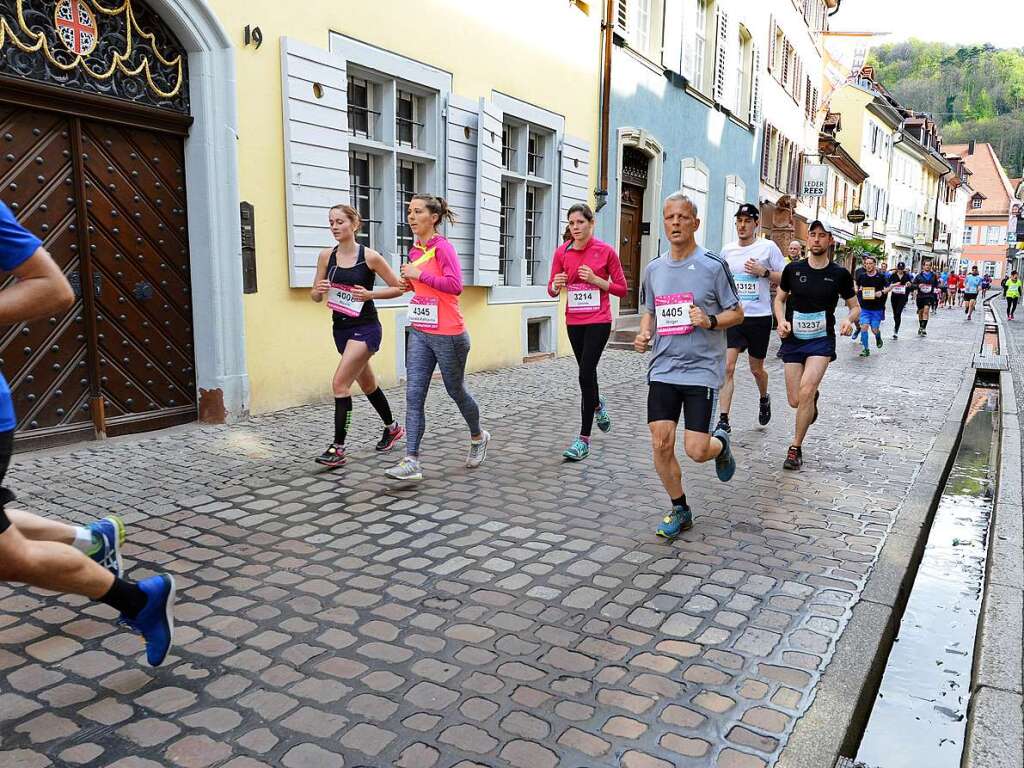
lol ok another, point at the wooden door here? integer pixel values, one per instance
(46, 361)
(122, 358)
(629, 245)
(138, 241)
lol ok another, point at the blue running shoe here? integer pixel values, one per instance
(678, 520)
(108, 534)
(604, 421)
(578, 451)
(156, 621)
(725, 464)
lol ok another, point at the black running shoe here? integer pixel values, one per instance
(391, 436)
(794, 458)
(878, 340)
(333, 457)
(722, 425)
(764, 414)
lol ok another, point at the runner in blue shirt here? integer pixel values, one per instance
(44, 553)
(973, 283)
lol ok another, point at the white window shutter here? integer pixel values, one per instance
(672, 46)
(574, 177)
(755, 86)
(771, 44)
(315, 151)
(460, 178)
(689, 38)
(721, 55)
(487, 231)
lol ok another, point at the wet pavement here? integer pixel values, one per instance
(518, 615)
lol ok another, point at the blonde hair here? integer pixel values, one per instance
(349, 213)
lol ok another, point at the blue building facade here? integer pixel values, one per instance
(667, 135)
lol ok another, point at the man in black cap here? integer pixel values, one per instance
(755, 264)
(805, 310)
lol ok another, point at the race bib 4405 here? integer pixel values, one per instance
(672, 313)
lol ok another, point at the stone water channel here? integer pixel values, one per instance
(919, 716)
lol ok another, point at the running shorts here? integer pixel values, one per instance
(751, 336)
(970, 297)
(794, 350)
(368, 333)
(930, 300)
(6, 448)
(872, 317)
(665, 402)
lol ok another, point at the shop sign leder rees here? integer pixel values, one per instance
(815, 182)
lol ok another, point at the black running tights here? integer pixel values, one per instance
(1011, 305)
(587, 344)
(898, 305)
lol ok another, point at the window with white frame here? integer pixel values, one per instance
(363, 195)
(745, 73)
(703, 63)
(695, 179)
(639, 21)
(976, 202)
(527, 225)
(735, 196)
(393, 153)
(968, 235)
(995, 235)
(989, 269)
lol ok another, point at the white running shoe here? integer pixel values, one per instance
(407, 469)
(478, 450)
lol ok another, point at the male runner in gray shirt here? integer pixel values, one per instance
(688, 300)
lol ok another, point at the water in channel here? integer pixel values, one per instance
(920, 714)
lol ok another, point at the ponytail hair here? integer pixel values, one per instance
(437, 206)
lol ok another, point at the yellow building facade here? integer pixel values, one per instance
(179, 158)
(535, 61)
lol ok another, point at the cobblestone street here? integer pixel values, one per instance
(522, 614)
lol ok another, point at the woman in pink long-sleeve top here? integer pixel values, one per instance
(589, 270)
(438, 337)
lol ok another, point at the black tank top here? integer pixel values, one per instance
(358, 274)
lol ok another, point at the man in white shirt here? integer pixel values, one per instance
(755, 264)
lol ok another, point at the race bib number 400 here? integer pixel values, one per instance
(340, 299)
(809, 325)
(672, 314)
(746, 287)
(582, 297)
(422, 312)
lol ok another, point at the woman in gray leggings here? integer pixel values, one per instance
(438, 336)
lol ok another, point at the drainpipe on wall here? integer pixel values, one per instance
(607, 29)
(935, 216)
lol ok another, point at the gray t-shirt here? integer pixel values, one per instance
(696, 358)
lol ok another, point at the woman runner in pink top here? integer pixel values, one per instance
(437, 336)
(588, 270)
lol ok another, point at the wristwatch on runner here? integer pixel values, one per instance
(713, 320)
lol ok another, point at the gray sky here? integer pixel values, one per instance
(998, 22)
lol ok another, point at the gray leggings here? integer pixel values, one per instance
(425, 352)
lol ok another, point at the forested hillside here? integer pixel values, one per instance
(974, 92)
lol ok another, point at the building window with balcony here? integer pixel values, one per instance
(527, 221)
(394, 126)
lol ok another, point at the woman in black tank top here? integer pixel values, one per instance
(345, 275)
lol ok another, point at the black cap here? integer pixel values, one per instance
(819, 224)
(748, 209)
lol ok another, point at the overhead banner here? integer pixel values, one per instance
(815, 180)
